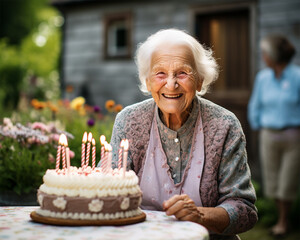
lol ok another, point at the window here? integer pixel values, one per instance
(118, 36)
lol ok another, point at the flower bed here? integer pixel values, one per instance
(29, 139)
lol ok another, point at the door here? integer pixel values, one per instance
(227, 33)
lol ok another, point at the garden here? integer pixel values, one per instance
(29, 139)
(35, 107)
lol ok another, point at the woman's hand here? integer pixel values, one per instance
(183, 208)
(215, 219)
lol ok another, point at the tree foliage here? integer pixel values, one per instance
(18, 18)
(29, 51)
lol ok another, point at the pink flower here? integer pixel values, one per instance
(31, 140)
(7, 122)
(55, 137)
(72, 154)
(51, 158)
(41, 126)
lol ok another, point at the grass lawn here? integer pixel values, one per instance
(260, 232)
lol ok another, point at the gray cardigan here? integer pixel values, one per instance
(226, 178)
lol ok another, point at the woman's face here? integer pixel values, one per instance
(267, 60)
(172, 80)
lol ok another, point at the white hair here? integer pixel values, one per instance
(278, 48)
(206, 66)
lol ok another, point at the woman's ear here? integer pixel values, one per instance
(199, 84)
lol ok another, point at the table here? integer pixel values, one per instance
(16, 224)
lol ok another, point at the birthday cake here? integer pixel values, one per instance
(89, 194)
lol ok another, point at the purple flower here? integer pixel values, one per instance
(97, 109)
(91, 122)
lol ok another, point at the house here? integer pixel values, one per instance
(100, 39)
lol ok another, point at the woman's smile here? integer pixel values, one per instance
(172, 96)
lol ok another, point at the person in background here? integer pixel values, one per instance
(274, 110)
(189, 153)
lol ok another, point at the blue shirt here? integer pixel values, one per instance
(275, 103)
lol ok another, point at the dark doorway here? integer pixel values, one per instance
(228, 34)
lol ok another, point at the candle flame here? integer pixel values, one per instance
(122, 143)
(106, 147)
(126, 145)
(90, 137)
(102, 139)
(109, 147)
(63, 140)
(93, 142)
(60, 141)
(84, 138)
(66, 141)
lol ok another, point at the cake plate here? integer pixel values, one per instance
(77, 222)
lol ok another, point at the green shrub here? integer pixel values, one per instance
(12, 72)
(22, 168)
(267, 211)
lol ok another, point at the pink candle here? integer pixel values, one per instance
(58, 157)
(105, 158)
(125, 154)
(109, 157)
(102, 141)
(68, 158)
(67, 153)
(120, 155)
(93, 154)
(84, 139)
(88, 150)
(58, 153)
(64, 152)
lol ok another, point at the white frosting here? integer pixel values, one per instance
(60, 203)
(88, 216)
(96, 205)
(40, 200)
(125, 203)
(94, 184)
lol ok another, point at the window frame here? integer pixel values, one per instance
(109, 22)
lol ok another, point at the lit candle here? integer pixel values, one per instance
(120, 155)
(88, 150)
(67, 154)
(64, 151)
(84, 139)
(102, 141)
(58, 153)
(125, 154)
(93, 154)
(109, 157)
(104, 160)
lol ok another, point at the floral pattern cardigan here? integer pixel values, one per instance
(226, 177)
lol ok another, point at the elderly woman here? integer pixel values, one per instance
(188, 153)
(274, 109)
